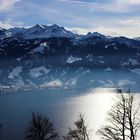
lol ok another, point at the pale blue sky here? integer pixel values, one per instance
(110, 17)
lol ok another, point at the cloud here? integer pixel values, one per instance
(109, 30)
(130, 31)
(116, 17)
(5, 25)
(116, 6)
(52, 13)
(78, 30)
(102, 29)
(129, 1)
(107, 1)
(6, 4)
(110, 17)
(135, 22)
(77, 1)
(111, 7)
(10, 24)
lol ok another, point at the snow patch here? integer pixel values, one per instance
(85, 72)
(124, 64)
(39, 49)
(15, 72)
(36, 72)
(72, 59)
(115, 48)
(19, 59)
(19, 83)
(133, 62)
(137, 71)
(52, 84)
(64, 72)
(102, 62)
(90, 57)
(100, 57)
(31, 83)
(106, 46)
(71, 82)
(108, 69)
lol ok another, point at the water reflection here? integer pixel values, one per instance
(94, 105)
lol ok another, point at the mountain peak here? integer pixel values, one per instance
(55, 26)
(39, 26)
(4, 33)
(90, 34)
(97, 34)
(43, 31)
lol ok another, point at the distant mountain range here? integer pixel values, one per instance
(137, 38)
(27, 55)
(37, 31)
(56, 46)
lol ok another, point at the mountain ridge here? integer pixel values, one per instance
(28, 60)
(58, 46)
(41, 27)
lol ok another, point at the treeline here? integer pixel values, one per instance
(122, 123)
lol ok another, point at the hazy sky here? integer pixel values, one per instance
(111, 17)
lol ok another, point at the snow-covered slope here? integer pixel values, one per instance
(43, 56)
(4, 33)
(54, 45)
(42, 31)
(137, 38)
(15, 30)
(94, 34)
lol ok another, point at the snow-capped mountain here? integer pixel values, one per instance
(29, 56)
(137, 38)
(4, 33)
(15, 30)
(94, 34)
(41, 31)
(50, 42)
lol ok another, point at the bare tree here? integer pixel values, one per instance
(133, 120)
(122, 121)
(40, 128)
(80, 132)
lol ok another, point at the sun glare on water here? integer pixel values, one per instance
(94, 105)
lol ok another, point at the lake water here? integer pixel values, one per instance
(63, 105)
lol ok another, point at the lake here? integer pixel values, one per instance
(63, 105)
